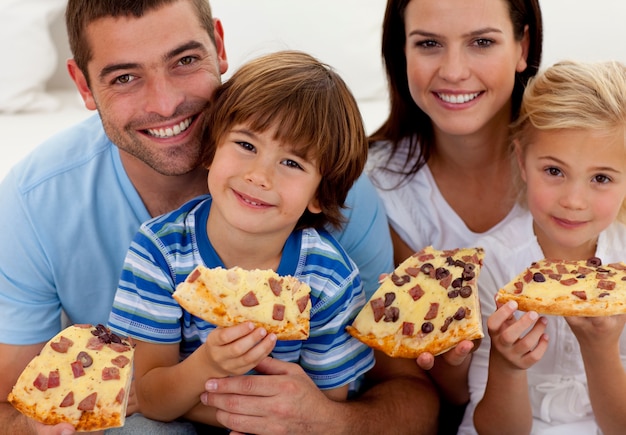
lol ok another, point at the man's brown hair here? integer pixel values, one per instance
(310, 107)
(80, 13)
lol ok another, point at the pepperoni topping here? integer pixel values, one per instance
(77, 369)
(580, 294)
(249, 300)
(68, 400)
(276, 286)
(54, 379)
(88, 403)
(432, 311)
(110, 373)
(121, 395)
(120, 361)
(41, 382)
(62, 345)
(407, 328)
(278, 313)
(302, 303)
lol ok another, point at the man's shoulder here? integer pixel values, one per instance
(70, 151)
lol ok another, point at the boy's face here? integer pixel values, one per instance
(151, 78)
(260, 185)
(576, 184)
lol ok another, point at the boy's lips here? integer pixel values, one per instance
(255, 202)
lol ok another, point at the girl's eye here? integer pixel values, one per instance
(602, 179)
(245, 145)
(555, 172)
(291, 164)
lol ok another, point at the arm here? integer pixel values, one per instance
(281, 402)
(13, 359)
(606, 378)
(167, 389)
(506, 402)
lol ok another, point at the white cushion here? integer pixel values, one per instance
(29, 56)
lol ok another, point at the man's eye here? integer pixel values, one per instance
(124, 79)
(187, 60)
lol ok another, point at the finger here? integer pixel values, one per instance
(532, 338)
(536, 354)
(514, 331)
(457, 355)
(252, 352)
(425, 361)
(500, 316)
(223, 336)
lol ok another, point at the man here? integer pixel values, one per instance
(71, 208)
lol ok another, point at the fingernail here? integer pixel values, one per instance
(66, 432)
(263, 332)
(512, 305)
(533, 315)
(211, 385)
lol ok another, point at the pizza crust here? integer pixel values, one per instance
(569, 288)
(227, 297)
(404, 322)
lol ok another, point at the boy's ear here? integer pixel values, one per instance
(314, 206)
(519, 156)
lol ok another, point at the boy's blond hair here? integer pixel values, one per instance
(574, 96)
(311, 108)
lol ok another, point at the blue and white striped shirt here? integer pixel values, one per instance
(166, 249)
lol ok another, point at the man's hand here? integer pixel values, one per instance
(283, 401)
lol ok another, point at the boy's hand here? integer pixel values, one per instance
(454, 357)
(522, 342)
(238, 349)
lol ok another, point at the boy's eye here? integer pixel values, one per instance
(245, 145)
(291, 164)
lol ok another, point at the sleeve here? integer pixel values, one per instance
(331, 356)
(365, 235)
(29, 302)
(143, 307)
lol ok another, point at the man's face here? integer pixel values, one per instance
(151, 78)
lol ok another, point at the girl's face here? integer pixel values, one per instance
(576, 184)
(260, 186)
(461, 62)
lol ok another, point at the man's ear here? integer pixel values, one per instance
(81, 84)
(219, 45)
(519, 156)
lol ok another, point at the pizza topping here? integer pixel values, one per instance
(568, 282)
(120, 361)
(249, 299)
(446, 324)
(428, 269)
(109, 373)
(105, 335)
(303, 302)
(407, 328)
(594, 262)
(54, 379)
(77, 369)
(68, 400)
(120, 396)
(194, 276)
(275, 286)
(413, 271)
(466, 291)
(88, 403)
(441, 273)
(278, 313)
(457, 283)
(62, 345)
(432, 311)
(538, 277)
(41, 382)
(85, 359)
(460, 314)
(95, 343)
(400, 280)
(378, 307)
(427, 327)
(119, 347)
(454, 293)
(392, 314)
(580, 294)
(389, 298)
(416, 292)
(606, 285)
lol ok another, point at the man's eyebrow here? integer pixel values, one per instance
(191, 45)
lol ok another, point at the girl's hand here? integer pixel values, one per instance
(521, 342)
(597, 333)
(237, 349)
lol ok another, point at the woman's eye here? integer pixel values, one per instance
(427, 43)
(483, 42)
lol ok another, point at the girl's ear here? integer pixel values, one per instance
(519, 156)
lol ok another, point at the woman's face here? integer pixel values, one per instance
(462, 56)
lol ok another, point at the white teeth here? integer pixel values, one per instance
(170, 131)
(458, 99)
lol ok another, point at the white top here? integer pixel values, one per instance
(416, 209)
(557, 383)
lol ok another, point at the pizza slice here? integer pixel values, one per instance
(569, 288)
(227, 297)
(82, 376)
(428, 304)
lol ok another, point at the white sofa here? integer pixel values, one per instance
(38, 99)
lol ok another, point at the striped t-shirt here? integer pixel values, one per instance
(166, 249)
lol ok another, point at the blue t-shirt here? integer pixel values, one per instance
(68, 213)
(166, 250)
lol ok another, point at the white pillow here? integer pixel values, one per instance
(29, 56)
(346, 34)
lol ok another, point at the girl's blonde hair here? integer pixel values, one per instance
(311, 108)
(574, 96)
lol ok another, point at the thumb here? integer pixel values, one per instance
(273, 366)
